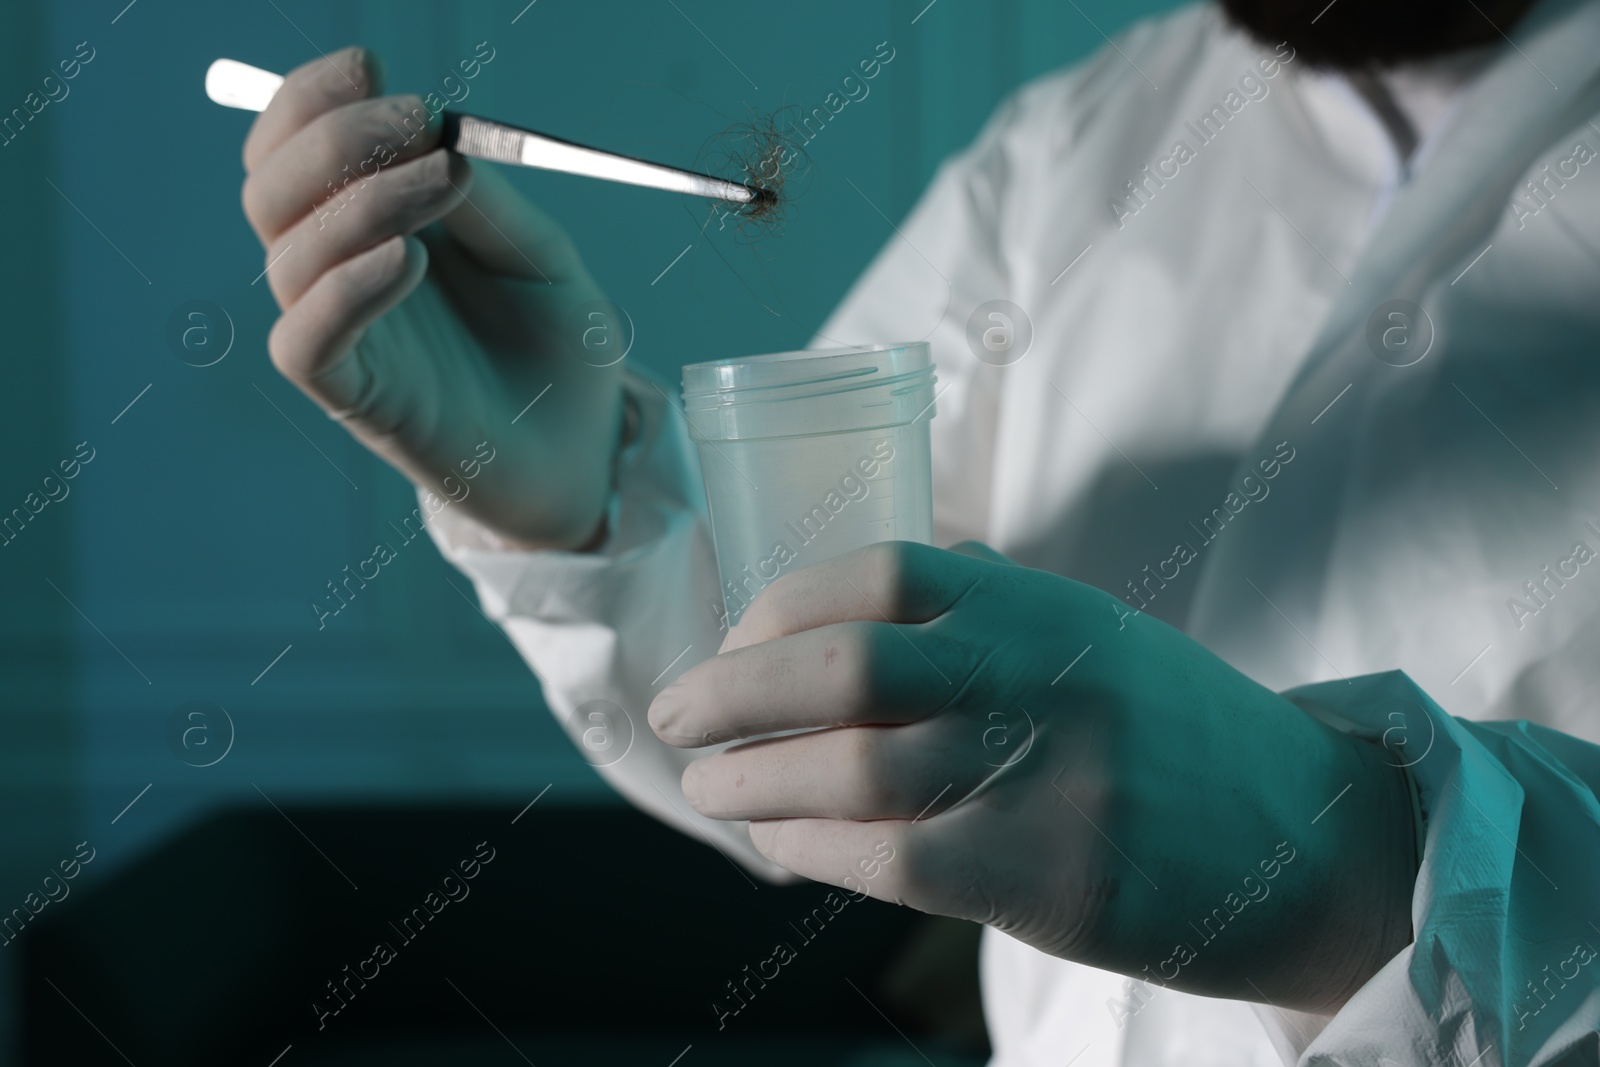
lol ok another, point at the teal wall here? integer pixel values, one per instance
(189, 548)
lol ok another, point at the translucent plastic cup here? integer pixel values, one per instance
(808, 455)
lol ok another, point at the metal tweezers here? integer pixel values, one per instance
(235, 84)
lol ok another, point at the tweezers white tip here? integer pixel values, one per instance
(235, 84)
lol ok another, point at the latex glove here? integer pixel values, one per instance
(1011, 747)
(427, 342)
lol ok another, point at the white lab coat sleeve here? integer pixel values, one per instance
(605, 630)
(1504, 967)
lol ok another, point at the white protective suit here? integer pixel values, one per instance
(1440, 518)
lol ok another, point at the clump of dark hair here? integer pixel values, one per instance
(761, 156)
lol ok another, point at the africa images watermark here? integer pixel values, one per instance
(1537, 192)
(852, 487)
(1255, 489)
(1552, 578)
(55, 889)
(1255, 889)
(1540, 995)
(55, 90)
(455, 890)
(383, 153)
(785, 147)
(833, 902)
(1142, 189)
(55, 489)
(384, 553)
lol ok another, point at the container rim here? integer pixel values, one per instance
(781, 370)
(807, 353)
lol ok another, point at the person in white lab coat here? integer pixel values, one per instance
(1297, 356)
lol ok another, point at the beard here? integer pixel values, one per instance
(1353, 34)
